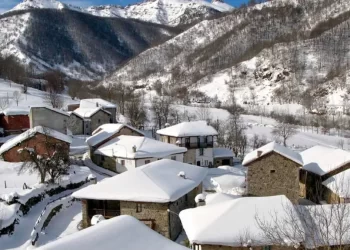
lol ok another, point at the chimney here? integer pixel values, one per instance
(259, 153)
(134, 149)
(200, 200)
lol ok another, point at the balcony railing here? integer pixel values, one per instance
(197, 145)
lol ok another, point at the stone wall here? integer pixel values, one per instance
(156, 213)
(274, 174)
(41, 116)
(99, 119)
(175, 226)
(76, 124)
(190, 156)
(36, 142)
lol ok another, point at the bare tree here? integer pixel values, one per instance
(48, 158)
(256, 141)
(284, 131)
(135, 110)
(17, 96)
(53, 98)
(161, 107)
(341, 143)
(203, 113)
(3, 103)
(121, 93)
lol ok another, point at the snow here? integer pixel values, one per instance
(87, 112)
(30, 133)
(8, 214)
(43, 4)
(184, 129)
(88, 162)
(106, 131)
(16, 111)
(273, 147)
(231, 220)
(225, 179)
(321, 160)
(339, 184)
(222, 152)
(124, 145)
(219, 197)
(96, 102)
(155, 182)
(115, 232)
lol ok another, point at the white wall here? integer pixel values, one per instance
(130, 164)
(208, 156)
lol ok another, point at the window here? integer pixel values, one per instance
(147, 161)
(201, 151)
(272, 171)
(206, 162)
(122, 162)
(173, 157)
(267, 248)
(99, 121)
(138, 207)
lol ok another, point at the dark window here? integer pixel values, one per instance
(272, 171)
(122, 162)
(147, 161)
(99, 120)
(138, 208)
(201, 151)
(173, 157)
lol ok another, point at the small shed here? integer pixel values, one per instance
(14, 120)
(223, 157)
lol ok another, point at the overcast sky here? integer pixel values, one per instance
(8, 4)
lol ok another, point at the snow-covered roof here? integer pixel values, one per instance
(222, 152)
(122, 232)
(87, 112)
(16, 111)
(106, 131)
(339, 184)
(124, 145)
(272, 147)
(197, 128)
(232, 220)
(322, 160)
(219, 197)
(96, 102)
(158, 182)
(30, 133)
(52, 109)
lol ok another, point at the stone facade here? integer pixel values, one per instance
(273, 174)
(155, 215)
(99, 118)
(37, 142)
(76, 124)
(42, 116)
(190, 156)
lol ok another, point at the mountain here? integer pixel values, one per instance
(79, 45)
(276, 52)
(166, 12)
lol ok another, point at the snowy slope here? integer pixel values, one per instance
(168, 12)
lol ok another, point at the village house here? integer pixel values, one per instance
(127, 152)
(336, 189)
(154, 193)
(273, 170)
(107, 132)
(85, 120)
(123, 232)
(229, 223)
(14, 121)
(198, 137)
(54, 119)
(100, 103)
(35, 138)
(223, 157)
(320, 165)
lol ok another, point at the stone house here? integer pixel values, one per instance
(273, 170)
(198, 137)
(323, 164)
(85, 120)
(100, 103)
(14, 121)
(107, 132)
(54, 119)
(127, 152)
(232, 222)
(223, 157)
(122, 232)
(154, 193)
(35, 138)
(336, 189)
